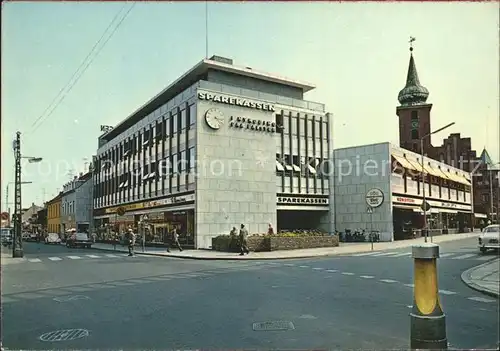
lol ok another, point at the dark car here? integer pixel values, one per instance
(79, 239)
(52, 238)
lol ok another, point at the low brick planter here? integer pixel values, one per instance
(275, 243)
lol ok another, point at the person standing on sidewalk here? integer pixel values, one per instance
(131, 242)
(243, 240)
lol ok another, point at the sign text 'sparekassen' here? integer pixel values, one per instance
(302, 200)
(230, 100)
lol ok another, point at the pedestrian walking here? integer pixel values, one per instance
(243, 240)
(270, 229)
(175, 237)
(166, 239)
(131, 242)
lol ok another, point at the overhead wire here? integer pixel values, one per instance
(96, 49)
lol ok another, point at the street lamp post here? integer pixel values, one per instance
(424, 203)
(490, 171)
(17, 242)
(7, 203)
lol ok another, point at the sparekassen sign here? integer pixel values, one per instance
(230, 100)
(302, 200)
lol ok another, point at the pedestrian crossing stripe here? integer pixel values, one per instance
(74, 257)
(462, 257)
(55, 258)
(34, 260)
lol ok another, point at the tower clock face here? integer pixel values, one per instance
(214, 118)
(414, 124)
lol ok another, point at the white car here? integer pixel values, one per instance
(490, 238)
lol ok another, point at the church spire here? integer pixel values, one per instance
(413, 93)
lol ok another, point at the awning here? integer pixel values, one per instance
(296, 168)
(311, 169)
(456, 178)
(279, 166)
(433, 171)
(443, 174)
(480, 215)
(467, 176)
(416, 165)
(444, 210)
(407, 207)
(404, 162)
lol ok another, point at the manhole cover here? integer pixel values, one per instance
(273, 325)
(64, 335)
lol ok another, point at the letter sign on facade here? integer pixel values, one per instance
(235, 101)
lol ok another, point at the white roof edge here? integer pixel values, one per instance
(250, 72)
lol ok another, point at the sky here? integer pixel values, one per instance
(355, 53)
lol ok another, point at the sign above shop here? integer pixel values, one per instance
(302, 200)
(128, 207)
(374, 197)
(252, 124)
(170, 200)
(235, 101)
(405, 200)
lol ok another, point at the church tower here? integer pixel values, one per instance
(414, 113)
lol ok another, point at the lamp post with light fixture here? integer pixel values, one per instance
(424, 203)
(17, 242)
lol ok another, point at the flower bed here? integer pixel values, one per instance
(282, 241)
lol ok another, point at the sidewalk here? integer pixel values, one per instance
(484, 278)
(344, 248)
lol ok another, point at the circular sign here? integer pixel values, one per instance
(120, 211)
(374, 197)
(5, 216)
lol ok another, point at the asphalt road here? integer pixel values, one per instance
(342, 302)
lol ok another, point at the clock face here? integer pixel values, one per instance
(214, 118)
(414, 124)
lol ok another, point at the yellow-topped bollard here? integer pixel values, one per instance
(428, 322)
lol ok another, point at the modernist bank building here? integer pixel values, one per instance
(221, 146)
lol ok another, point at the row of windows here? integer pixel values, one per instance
(308, 126)
(439, 190)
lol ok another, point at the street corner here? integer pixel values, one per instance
(484, 278)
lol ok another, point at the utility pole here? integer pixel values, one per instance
(17, 245)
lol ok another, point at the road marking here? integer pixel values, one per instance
(347, 273)
(367, 276)
(92, 256)
(289, 264)
(332, 270)
(318, 269)
(447, 292)
(480, 299)
(55, 258)
(388, 281)
(402, 254)
(367, 254)
(384, 254)
(111, 255)
(446, 254)
(463, 257)
(35, 260)
(409, 285)
(483, 258)
(304, 266)
(74, 257)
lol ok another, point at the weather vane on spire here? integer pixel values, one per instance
(412, 39)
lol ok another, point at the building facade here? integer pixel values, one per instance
(54, 214)
(222, 145)
(76, 203)
(414, 115)
(402, 179)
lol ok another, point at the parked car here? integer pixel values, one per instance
(31, 237)
(490, 238)
(53, 238)
(6, 235)
(79, 239)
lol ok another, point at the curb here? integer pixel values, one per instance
(229, 258)
(305, 256)
(466, 278)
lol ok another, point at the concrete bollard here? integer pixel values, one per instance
(428, 322)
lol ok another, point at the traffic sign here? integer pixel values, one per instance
(425, 206)
(374, 197)
(5, 216)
